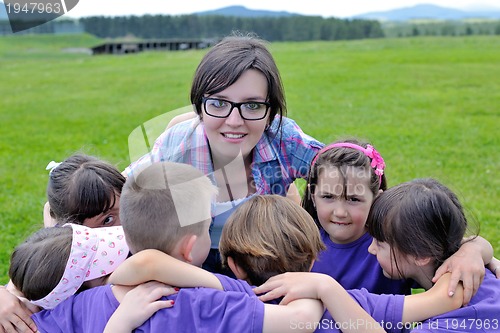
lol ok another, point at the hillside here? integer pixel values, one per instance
(427, 11)
(242, 11)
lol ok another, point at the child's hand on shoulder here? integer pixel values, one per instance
(293, 286)
(138, 305)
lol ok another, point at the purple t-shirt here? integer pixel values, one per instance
(385, 309)
(355, 268)
(195, 310)
(482, 314)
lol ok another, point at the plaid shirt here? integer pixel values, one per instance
(279, 157)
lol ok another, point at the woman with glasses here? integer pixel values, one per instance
(240, 137)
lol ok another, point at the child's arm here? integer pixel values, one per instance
(433, 302)
(298, 316)
(138, 305)
(342, 307)
(467, 265)
(150, 265)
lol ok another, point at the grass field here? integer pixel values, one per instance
(430, 105)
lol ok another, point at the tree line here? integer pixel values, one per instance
(442, 28)
(292, 28)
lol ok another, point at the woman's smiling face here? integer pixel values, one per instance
(228, 137)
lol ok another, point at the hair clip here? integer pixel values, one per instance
(52, 165)
(377, 162)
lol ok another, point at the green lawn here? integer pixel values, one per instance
(430, 105)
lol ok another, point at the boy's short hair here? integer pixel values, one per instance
(162, 203)
(269, 235)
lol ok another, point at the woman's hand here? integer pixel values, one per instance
(15, 316)
(466, 265)
(494, 267)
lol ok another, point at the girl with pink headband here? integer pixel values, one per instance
(345, 177)
(55, 263)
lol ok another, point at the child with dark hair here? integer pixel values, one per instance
(85, 190)
(344, 180)
(416, 226)
(55, 263)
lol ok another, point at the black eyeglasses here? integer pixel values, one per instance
(221, 108)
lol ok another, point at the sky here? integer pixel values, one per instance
(325, 8)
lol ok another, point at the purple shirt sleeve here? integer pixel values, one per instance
(195, 310)
(387, 310)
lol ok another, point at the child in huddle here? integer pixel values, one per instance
(158, 212)
(85, 190)
(269, 235)
(416, 226)
(82, 190)
(54, 263)
(345, 177)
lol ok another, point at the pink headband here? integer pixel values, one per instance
(95, 252)
(377, 163)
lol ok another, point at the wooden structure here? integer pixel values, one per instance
(125, 47)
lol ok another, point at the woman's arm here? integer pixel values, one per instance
(180, 118)
(151, 264)
(15, 315)
(494, 266)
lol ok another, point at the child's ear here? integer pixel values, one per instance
(186, 247)
(379, 192)
(422, 261)
(312, 264)
(236, 269)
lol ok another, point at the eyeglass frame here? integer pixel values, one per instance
(234, 105)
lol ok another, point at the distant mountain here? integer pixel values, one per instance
(427, 11)
(242, 11)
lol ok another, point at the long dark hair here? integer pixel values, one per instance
(82, 187)
(422, 218)
(37, 265)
